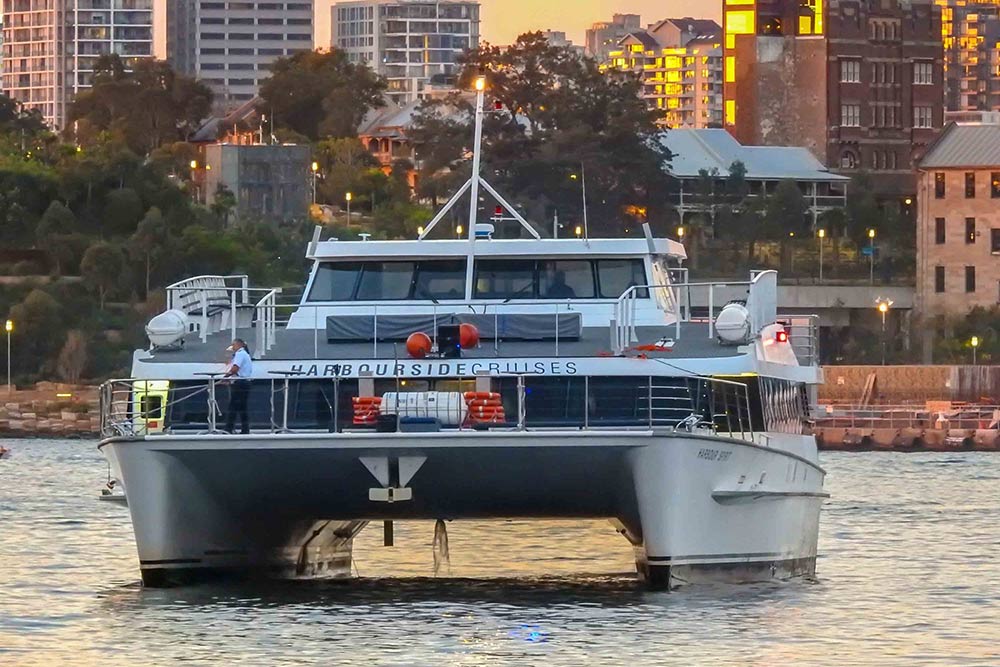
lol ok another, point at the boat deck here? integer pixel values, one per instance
(299, 344)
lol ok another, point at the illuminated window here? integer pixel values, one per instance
(995, 185)
(805, 25)
(730, 69)
(740, 22)
(730, 112)
(939, 190)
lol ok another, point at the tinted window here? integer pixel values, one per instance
(440, 280)
(617, 275)
(505, 279)
(335, 282)
(385, 281)
(572, 279)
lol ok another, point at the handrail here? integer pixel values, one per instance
(680, 403)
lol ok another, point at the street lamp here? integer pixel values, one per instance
(680, 234)
(883, 306)
(871, 256)
(459, 230)
(583, 195)
(9, 328)
(974, 343)
(348, 197)
(821, 234)
(315, 172)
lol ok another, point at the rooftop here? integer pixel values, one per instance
(965, 145)
(715, 149)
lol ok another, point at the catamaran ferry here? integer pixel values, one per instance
(468, 379)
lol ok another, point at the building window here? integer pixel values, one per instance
(995, 241)
(923, 117)
(995, 185)
(939, 279)
(939, 185)
(970, 185)
(970, 279)
(850, 71)
(923, 73)
(970, 230)
(850, 115)
(848, 160)
(939, 230)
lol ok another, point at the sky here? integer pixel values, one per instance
(503, 20)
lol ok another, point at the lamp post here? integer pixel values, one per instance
(871, 256)
(194, 181)
(9, 328)
(583, 195)
(883, 306)
(348, 197)
(680, 234)
(315, 173)
(974, 343)
(821, 234)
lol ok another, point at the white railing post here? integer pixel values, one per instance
(204, 316)
(232, 313)
(375, 334)
(711, 312)
(315, 332)
(557, 330)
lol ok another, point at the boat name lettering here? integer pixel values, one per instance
(714, 455)
(435, 369)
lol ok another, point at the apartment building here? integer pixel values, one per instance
(230, 46)
(970, 30)
(680, 63)
(958, 219)
(602, 37)
(50, 47)
(858, 82)
(414, 44)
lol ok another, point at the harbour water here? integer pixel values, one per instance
(909, 574)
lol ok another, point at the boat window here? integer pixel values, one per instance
(335, 282)
(441, 281)
(505, 279)
(384, 281)
(568, 279)
(617, 275)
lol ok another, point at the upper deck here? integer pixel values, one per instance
(536, 304)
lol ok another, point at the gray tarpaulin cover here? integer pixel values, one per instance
(510, 327)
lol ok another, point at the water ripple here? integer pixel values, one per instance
(908, 575)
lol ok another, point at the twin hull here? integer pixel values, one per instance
(694, 506)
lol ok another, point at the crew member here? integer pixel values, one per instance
(241, 370)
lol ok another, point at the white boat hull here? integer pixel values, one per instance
(696, 507)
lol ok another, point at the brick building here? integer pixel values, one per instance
(858, 82)
(958, 220)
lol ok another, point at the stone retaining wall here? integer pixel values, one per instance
(39, 412)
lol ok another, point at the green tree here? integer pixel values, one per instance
(39, 332)
(149, 242)
(145, 107)
(56, 225)
(786, 217)
(102, 267)
(569, 116)
(122, 211)
(223, 203)
(321, 94)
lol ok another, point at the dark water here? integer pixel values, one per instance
(909, 575)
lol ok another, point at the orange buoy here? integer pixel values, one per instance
(468, 336)
(418, 345)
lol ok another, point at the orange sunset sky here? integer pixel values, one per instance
(503, 20)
